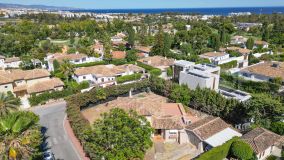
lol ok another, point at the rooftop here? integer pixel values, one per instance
(158, 61)
(118, 54)
(62, 56)
(260, 139)
(213, 54)
(269, 69)
(107, 70)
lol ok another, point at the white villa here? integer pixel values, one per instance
(13, 62)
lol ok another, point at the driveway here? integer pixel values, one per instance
(52, 118)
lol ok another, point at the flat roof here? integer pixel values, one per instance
(222, 137)
(184, 63)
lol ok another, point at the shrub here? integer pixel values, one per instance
(170, 72)
(218, 153)
(156, 72)
(131, 77)
(145, 66)
(90, 64)
(229, 65)
(277, 127)
(241, 150)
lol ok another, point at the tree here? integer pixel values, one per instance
(67, 69)
(20, 136)
(250, 43)
(265, 32)
(56, 66)
(131, 56)
(214, 42)
(277, 127)
(241, 150)
(180, 94)
(131, 35)
(120, 135)
(264, 108)
(8, 103)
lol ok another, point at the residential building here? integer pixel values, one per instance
(143, 50)
(27, 82)
(264, 71)
(12, 62)
(118, 54)
(210, 132)
(98, 48)
(168, 119)
(76, 58)
(238, 40)
(215, 57)
(197, 75)
(264, 142)
(242, 59)
(105, 75)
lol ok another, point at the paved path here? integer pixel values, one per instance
(52, 119)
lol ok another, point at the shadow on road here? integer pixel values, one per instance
(44, 145)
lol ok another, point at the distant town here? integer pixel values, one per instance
(80, 85)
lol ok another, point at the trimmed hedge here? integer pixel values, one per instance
(91, 64)
(152, 70)
(241, 150)
(218, 153)
(229, 65)
(132, 77)
(79, 101)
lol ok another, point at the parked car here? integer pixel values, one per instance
(48, 155)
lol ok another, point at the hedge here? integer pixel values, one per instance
(132, 77)
(241, 150)
(150, 69)
(79, 101)
(91, 64)
(250, 86)
(218, 153)
(229, 65)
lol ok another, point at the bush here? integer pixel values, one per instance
(131, 77)
(229, 65)
(90, 64)
(145, 66)
(277, 127)
(156, 72)
(218, 153)
(241, 150)
(170, 72)
(271, 157)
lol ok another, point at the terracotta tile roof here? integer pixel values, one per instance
(238, 49)
(213, 54)
(12, 59)
(157, 61)
(107, 70)
(62, 56)
(167, 122)
(20, 88)
(207, 127)
(145, 49)
(2, 57)
(164, 115)
(260, 139)
(118, 54)
(46, 85)
(13, 75)
(269, 69)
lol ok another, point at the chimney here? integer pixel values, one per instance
(130, 93)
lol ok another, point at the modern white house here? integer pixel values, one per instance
(105, 75)
(75, 58)
(238, 40)
(194, 75)
(264, 143)
(215, 57)
(262, 44)
(263, 71)
(12, 62)
(242, 59)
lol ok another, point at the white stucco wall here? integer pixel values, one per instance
(6, 88)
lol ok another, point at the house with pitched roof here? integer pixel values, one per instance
(210, 132)
(215, 57)
(264, 71)
(264, 142)
(76, 58)
(167, 119)
(27, 82)
(105, 75)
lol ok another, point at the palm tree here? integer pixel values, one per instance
(8, 103)
(19, 134)
(67, 69)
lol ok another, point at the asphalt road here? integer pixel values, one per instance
(52, 120)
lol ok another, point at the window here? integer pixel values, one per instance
(84, 77)
(6, 87)
(103, 80)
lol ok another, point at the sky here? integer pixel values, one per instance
(127, 4)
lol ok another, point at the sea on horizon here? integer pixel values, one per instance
(204, 11)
